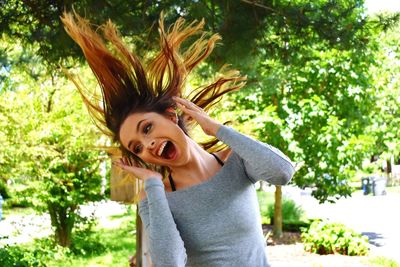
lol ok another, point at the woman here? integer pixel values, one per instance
(198, 208)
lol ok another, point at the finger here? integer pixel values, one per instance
(125, 161)
(188, 112)
(132, 169)
(186, 103)
(115, 163)
(189, 108)
(119, 163)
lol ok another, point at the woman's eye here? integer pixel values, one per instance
(137, 149)
(147, 128)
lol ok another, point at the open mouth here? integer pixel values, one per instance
(167, 150)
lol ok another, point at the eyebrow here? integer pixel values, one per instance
(137, 130)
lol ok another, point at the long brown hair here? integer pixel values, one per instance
(128, 84)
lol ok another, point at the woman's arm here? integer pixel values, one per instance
(166, 244)
(261, 161)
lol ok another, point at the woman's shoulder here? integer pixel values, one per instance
(224, 154)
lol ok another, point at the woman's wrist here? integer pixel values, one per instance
(214, 127)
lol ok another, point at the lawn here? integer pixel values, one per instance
(118, 243)
(109, 243)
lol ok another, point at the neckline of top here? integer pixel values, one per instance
(209, 180)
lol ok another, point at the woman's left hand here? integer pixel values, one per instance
(209, 125)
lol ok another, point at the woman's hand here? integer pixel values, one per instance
(139, 172)
(208, 125)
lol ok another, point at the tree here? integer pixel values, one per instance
(386, 113)
(308, 64)
(310, 91)
(49, 143)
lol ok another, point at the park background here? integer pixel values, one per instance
(323, 86)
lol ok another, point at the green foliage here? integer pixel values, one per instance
(107, 244)
(49, 153)
(85, 240)
(311, 93)
(309, 90)
(4, 192)
(37, 254)
(23, 195)
(264, 199)
(87, 244)
(322, 83)
(333, 238)
(15, 256)
(386, 113)
(291, 212)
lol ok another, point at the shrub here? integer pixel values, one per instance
(333, 238)
(84, 240)
(4, 190)
(291, 212)
(11, 256)
(21, 196)
(87, 243)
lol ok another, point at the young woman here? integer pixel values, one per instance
(198, 208)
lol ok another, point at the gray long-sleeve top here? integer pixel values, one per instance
(217, 222)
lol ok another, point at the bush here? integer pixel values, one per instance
(21, 197)
(15, 256)
(42, 251)
(291, 212)
(333, 238)
(84, 240)
(87, 244)
(4, 190)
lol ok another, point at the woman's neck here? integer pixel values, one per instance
(200, 166)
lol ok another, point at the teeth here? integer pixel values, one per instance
(160, 151)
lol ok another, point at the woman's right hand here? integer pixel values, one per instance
(139, 172)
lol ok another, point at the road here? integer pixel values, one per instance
(374, 216)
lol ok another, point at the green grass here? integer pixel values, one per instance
(120, 244)
(17, 211)
(393, 189)
(264, 199)
(383, 262)
(109, 245)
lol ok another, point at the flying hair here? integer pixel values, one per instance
(128, 84)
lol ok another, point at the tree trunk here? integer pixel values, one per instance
(64, 237)
(62, 219)
(388, 171)
(277, 230)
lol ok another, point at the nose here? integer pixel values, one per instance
(151, 144)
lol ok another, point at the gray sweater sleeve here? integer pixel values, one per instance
(166, 245)
(261, 161)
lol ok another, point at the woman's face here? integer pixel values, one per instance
(155, 138)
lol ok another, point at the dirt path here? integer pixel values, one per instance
(294, 255)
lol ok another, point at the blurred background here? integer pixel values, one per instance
(323, 86)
